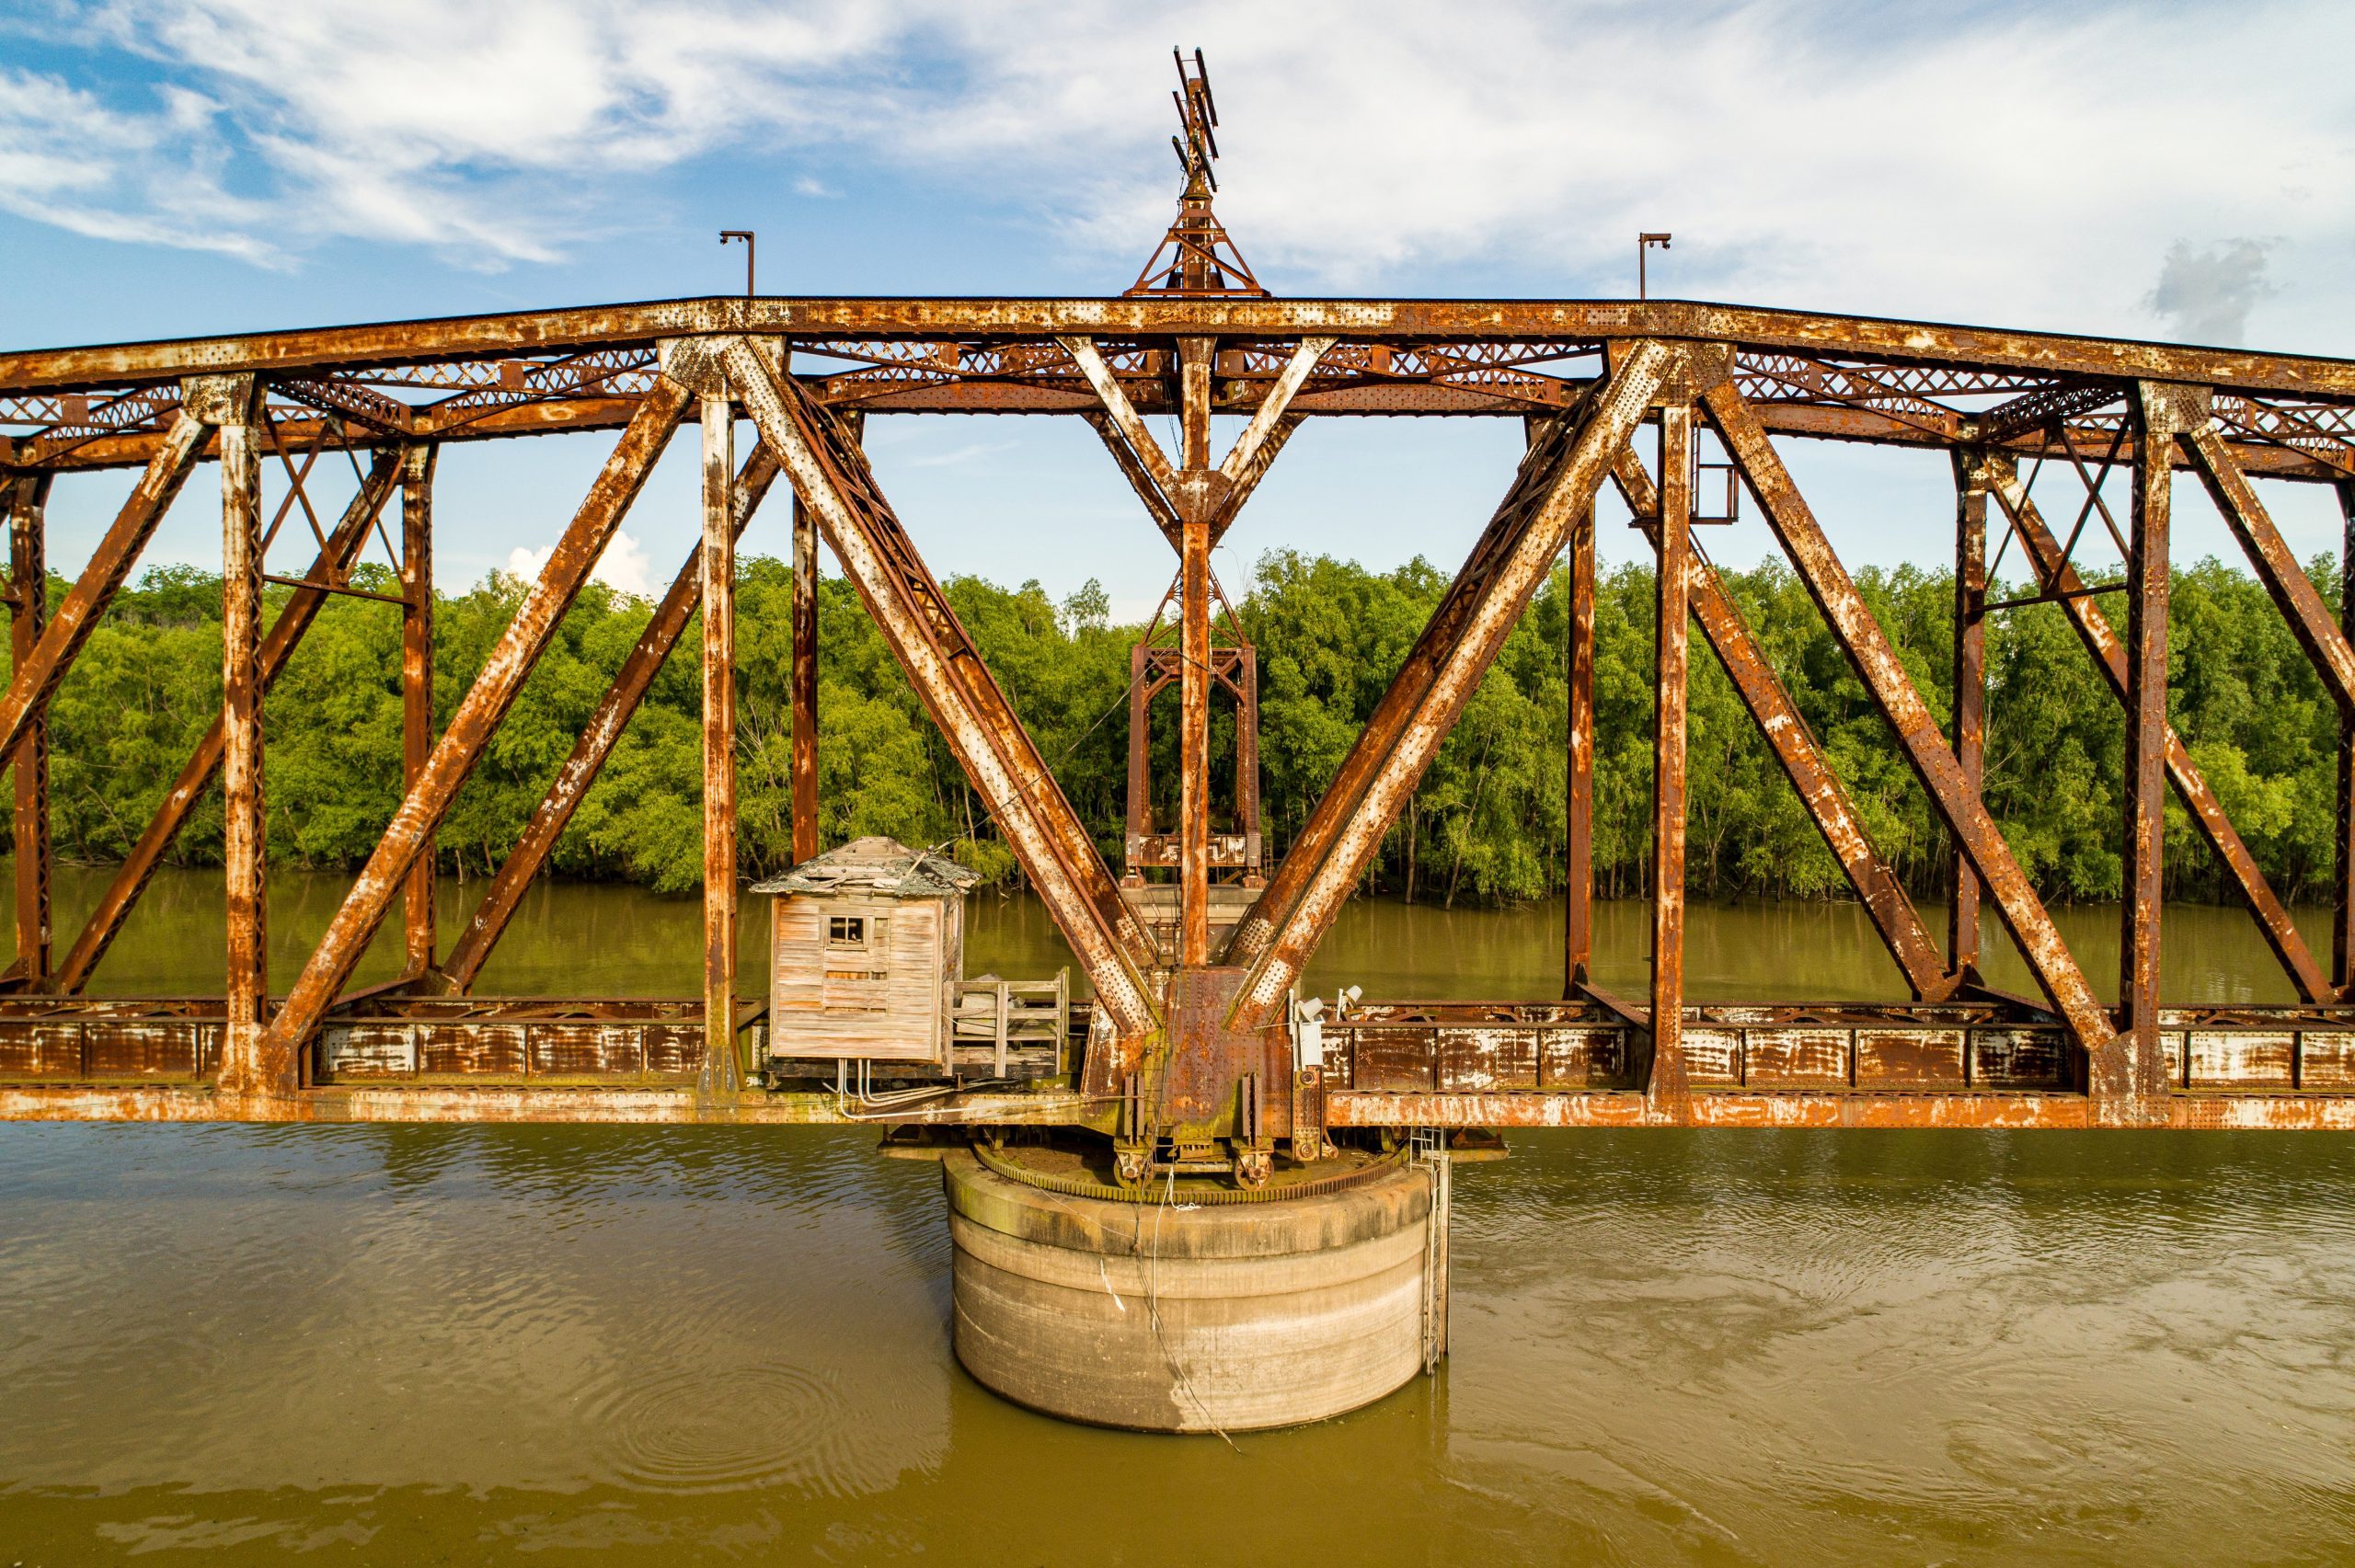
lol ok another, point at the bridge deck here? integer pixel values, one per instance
(1457, 1064)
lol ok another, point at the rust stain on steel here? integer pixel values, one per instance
(598, 738)
(1167, 489)
(1884, 677)
(1557, 482)
(295, 619)
(1164, 318)
(2056, 577)
(721, 1069)
(36, 678)
(1157, 506)
(1129, 426)
(1712, 1107)
(1969, 722)
(29, 578)
(602, 410)
(974, 715)
(492, 1103)
(1578, 847)
(478, 716)
(417, 685)
(1667, 1088)
(1195, 358)
(2274, 1110)
(247, 1066)
(803, 678)
(1778, 719)
(2342, 925)
(2127, 1079)
(2276, 565)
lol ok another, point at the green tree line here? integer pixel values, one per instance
(1486, 823)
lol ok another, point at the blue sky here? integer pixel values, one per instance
(170, 167)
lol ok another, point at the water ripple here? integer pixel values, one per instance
(722, 1429)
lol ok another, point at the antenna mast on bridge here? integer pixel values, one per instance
(1196, 258)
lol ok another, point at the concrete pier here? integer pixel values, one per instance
(1191, 1311)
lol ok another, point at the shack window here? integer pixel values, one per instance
(846, 931)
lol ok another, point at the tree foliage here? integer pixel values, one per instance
(1486, 823)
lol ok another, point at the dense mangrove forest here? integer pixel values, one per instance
(1486, 825)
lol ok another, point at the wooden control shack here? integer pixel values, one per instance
(866, 951)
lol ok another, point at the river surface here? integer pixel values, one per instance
(426, 1344)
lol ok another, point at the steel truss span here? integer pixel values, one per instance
(1193, 1040)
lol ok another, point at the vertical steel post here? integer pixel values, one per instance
(1969, 722)
(1246, 759)
(247, 1066)
(1140, 804)
(2342, 926)
(2127, 1084)
(416, 687)
(1195, 355)
(1668, 1092)
(805, 681)
(719, 420)
(29, 578)
(1578, 856)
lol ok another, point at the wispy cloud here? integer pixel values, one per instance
(962, 456)
(1803, 151)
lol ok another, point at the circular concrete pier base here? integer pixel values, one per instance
(1181, 1315)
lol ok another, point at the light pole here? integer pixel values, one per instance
(1644, 242)
(746, 236)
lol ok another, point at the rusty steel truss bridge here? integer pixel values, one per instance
(1190, 1042)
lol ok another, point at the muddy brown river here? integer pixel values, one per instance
(597, 1345)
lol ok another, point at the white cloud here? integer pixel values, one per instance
(2207, 295)
(2024, 165)
(623, 567)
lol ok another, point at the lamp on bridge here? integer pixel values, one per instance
(746, 236)
(1642, 245)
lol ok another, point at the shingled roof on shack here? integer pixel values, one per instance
(879, 866)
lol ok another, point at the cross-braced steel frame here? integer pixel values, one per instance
(1190, 1042)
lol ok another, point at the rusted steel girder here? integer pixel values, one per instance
(2342, 925)
(2056, 577)
(27, 497)
(603, 408)
(1970, 719)
(416, 687)
(1578, 827)
(1668, 1087)
(598, 738)
(1778, 717)
(246, 1068)
(1195, 358)
(803, 677)
(833, 479)
(1164, 319)
(35, 677)
(2330, 649)
(294, 618)
(1170, 490)
(2128, 1086)
(722, 1072)
(1556, 483)
(410, 832)
(1877, 665)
